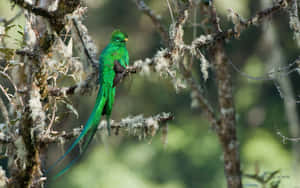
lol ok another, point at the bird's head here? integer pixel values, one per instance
(119, 38)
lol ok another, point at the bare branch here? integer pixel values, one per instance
(4, 112)
(88, 52)
(211, 39)
(294, 20)
(285, 138)
(266, 13)
(5, 93)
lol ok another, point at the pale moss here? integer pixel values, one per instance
(29, 35)
(144, 66)
(202, 39)
(179, 84)
(236, 19)
(204, 66)
(53, 6)
(2, 31)
(37, 112)
(3, 178)
(21, 150)
(161, 62)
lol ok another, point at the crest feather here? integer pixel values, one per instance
(118, 33)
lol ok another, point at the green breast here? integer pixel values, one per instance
(106, 62)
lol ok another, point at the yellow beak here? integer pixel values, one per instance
(126, 39)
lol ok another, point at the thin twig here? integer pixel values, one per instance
(285, 138)
(171, 11)
(86, 51)
(5, 93)
(4, 112)
(52, 118)
(231, 33)
(10, 80)
(14, 86)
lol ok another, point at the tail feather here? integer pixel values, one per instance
(84, 131)
(87, 143)
(92, 122)
(108, 125)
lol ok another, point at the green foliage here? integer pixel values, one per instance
(14, 33)
(7, 52)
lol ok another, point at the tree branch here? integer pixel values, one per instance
(199, 43)
(57, 17)
(226, 130)
(137, 125)
(294, 20)
(36, 10)
(240, 25)
(88, 51)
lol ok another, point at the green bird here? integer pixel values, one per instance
(112, 65)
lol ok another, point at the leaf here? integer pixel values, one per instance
(21, 33)
(275, 184)
(8, 52)
(9, 27)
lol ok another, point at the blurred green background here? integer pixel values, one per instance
(192, 156)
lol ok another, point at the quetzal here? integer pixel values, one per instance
(112, 64)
